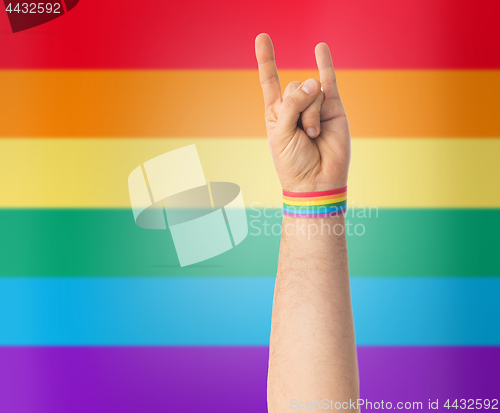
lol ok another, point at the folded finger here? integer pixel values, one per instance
(291, 87)
(294, 104)
(311, 117)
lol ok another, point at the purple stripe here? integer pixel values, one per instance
(221, 379)
(326, 215)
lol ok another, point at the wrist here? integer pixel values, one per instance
(317, 184)
(317, 204)
(315, 229)
(313, 187)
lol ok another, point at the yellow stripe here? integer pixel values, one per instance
(316, 198)
(310, 203)
(228, 103)
(384, 172)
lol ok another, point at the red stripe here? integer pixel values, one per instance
(158, 34)
(314, 194)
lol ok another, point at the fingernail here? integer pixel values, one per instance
(311, 131)
(309, 86)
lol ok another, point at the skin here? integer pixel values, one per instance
(312, 350)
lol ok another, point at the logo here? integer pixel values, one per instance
(25, 15)
(205, 219)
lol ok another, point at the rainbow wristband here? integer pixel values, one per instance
(315, 204)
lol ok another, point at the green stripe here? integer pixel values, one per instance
(106, 242)
(301, 207)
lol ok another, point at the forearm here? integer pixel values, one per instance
(312, 351)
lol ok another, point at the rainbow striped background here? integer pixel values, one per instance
(95, 313)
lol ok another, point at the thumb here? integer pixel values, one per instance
(293, 105)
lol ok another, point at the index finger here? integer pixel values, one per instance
(326, 72)
(268, 73)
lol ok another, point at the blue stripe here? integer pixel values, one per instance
(309, 210)
(237, 311)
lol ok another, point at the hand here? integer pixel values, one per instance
(319, 159)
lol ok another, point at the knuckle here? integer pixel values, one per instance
(269, 118)
(291, 101)
(291, 87)
(295, 84)
(270, 115)
(269, 80)
(331, 81)
(309, 116)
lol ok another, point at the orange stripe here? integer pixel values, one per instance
(229, 103)
(315, 202)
